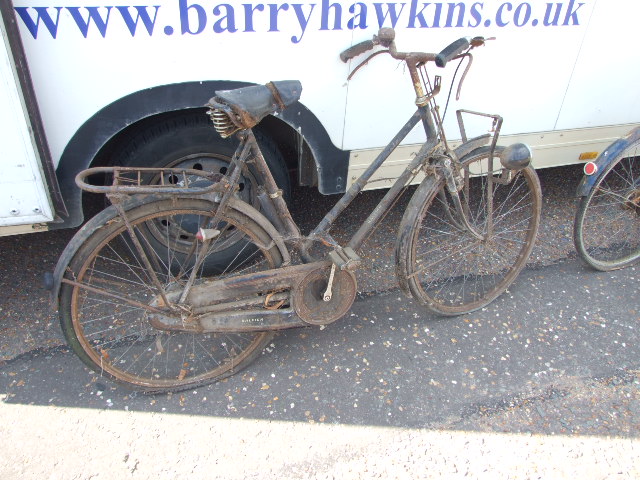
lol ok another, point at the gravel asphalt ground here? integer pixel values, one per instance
(543, 383)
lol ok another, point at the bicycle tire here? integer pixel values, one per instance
(606, 230)
(115, 338)
(441, 264)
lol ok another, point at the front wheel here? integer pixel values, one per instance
(607, 224)
(105, 303)
(445, 266)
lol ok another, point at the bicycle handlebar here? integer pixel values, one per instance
(356, 50)
(452, 51)
(386, 36)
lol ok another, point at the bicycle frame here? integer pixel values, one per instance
(181, 282)
(276, 208)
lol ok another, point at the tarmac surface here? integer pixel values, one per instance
(543, 383)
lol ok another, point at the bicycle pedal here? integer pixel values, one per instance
(345, 258)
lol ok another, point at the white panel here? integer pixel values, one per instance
(522, 75)
(605, 87)
(550, 149)
(23, 199)
(76, 75)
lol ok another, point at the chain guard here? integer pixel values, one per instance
(307, 297)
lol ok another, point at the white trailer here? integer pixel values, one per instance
(28, 188)
(118, 82)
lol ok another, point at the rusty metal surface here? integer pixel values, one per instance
(308, 297)
(134, 181)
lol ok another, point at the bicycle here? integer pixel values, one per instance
(606, 230)
(181, 283)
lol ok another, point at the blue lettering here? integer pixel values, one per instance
(302, 20)
(227, 23)
(547, 15)
(572, 14)
(499, 21)
(415, 15)
(391, 12)
(450, 12)
(248, 15)
(41, 13)
(436, 17)
(352, 24)
(337, 13)
(273, 15)
(527, 15)
(94, 15)
(195, 19)
(185, 19)
(475, 13)
(141, 14)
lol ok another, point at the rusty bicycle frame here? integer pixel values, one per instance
(434, 158)
(181, 253)
(194, 307)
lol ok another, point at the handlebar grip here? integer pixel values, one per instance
(356, 50)
(453, 50)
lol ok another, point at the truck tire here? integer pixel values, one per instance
(189, 140)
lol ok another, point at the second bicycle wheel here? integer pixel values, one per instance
(106, 300)
(607, 225)
(445, 266)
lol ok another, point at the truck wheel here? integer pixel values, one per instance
(190, 141)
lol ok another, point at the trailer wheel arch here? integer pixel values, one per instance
(92, 144)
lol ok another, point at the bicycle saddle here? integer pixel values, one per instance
(246, 106)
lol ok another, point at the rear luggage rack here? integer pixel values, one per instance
(133, 180)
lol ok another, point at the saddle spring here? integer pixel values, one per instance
(222, 123)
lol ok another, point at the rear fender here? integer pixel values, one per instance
(110, 214)
(604, 159)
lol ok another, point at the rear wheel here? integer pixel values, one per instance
(446, 267)
(607, 225)
(103, 314)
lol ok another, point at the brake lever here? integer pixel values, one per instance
(364, 62)
(479, 41)
(474, 43)
(464, 75)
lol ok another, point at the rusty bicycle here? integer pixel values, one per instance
(180, 283)
(606, 230)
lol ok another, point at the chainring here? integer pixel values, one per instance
(307, 297)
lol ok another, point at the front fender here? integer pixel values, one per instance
(471, 145)
(610, 154)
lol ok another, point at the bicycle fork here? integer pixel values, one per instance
(453, 181)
